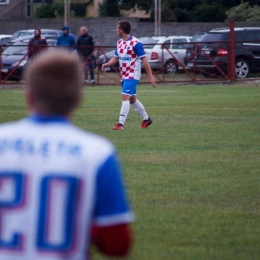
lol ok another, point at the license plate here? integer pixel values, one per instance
(4, 70)
(189, 64)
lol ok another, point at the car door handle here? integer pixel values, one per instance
(248, 48)
(175, 52)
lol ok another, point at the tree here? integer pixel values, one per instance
(244, 12)
(109, 8)
(146, 5)
(209, 13)
(49, 11)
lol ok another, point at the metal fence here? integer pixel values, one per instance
(181, 62)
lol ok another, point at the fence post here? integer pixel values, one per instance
(231, 56)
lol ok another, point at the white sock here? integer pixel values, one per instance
(140, 110)
(124, 111)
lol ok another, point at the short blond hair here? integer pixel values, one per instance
(55, 80)
(84, 28)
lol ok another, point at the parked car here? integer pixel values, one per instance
(4, 38)
(105, 58)
(27, 38)
(30, 32)
(15, 57)
(213, 50)
(197, 36)
(167, 53)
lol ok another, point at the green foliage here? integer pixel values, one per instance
(209, 13)
(183, 15)
(49, 11)
(244, 12)
(168, 14)
(57, 10)
(145, 5)
(172, 10)
(194, 10)
(109, 8)
(79, 10)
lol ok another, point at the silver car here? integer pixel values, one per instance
(167, 53)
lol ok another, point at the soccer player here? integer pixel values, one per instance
(61, 187)
(129, 51)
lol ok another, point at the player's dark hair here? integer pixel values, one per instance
(125, 26)
(55, 79)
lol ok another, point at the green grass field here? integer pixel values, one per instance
(193, 177)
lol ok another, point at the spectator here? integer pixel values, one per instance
(66, 39)
(85, 48)
(36, 44)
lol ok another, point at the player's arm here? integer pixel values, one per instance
(111, 232)
(139, 50)
(112, 240)
(148, 71)
(111, 63)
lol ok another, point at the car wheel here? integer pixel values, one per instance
(170, 67)
(242, 68)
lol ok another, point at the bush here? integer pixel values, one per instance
(49, 11)
(57, 10)
(209, 13)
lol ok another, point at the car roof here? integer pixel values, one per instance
(32, 30)
(20, 39)
(174, 37)
(227, 29)
(5, 35)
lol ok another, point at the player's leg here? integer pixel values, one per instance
(91, 70)
(128, 88)
(86, 73)
(140, 110)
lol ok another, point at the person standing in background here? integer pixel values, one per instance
(36, 44)
(66, 39)
(85, 47)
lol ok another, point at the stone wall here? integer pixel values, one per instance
(103, 29)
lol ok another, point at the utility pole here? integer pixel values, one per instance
(157, 17)
(65, 12)
(68, 13)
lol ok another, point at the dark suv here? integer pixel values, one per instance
(211, 53)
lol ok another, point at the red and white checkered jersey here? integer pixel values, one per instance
(129, 53)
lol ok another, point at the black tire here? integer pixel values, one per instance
(242, 68)
(170, 67)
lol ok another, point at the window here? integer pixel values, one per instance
(4, 2)
(179, 46)
(166, 44)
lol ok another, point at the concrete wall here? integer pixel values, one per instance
(103, 29)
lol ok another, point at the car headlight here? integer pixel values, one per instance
(22, 63)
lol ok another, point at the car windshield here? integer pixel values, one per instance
(197, 37)
(214, 37)
(16, 50)
(149, 43)
(20, 34)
